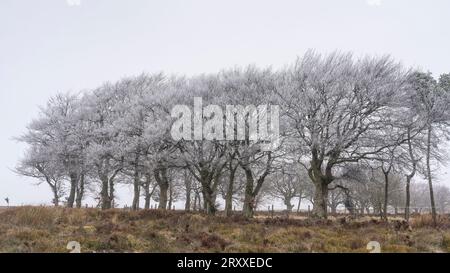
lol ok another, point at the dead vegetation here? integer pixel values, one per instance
(43, 229)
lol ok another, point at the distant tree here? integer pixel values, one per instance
(442, 198)
(432, 102)
(287, 184)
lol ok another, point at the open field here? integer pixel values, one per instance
(42, 229)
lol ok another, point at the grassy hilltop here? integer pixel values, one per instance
(45, 229)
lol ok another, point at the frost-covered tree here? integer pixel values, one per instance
(432, 102)
(42, 165)
(338, 109)
(252, 87)
(54, 140)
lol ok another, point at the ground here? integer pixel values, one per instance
(44, 229)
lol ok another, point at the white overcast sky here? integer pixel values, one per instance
(48, 46)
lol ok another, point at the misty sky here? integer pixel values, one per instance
(51, 46)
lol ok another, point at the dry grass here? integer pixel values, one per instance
(43, 229)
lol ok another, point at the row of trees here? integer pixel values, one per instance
(344, 123)
(359, 198)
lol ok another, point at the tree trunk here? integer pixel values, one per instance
(73, 188)
(55, 196)
(187, 203)
(409, 177)
(80, 190)
(299, 202)
(136, 193)
(136, 186)
(54, 189)
(209, 181)
(163, 183)
(107, 184)
(408, 198)
(320, 200)
(252, 189)
(321, 182)
(112, 197)
(199, 201)
(170, 197)
(386, 194)
(209, 202)
(229, 194)
(430, 182)
(249, 198)
(195, 202)
(287, 202)
(104, 196)
(163, 188)
(147, 194)
(188, 186)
